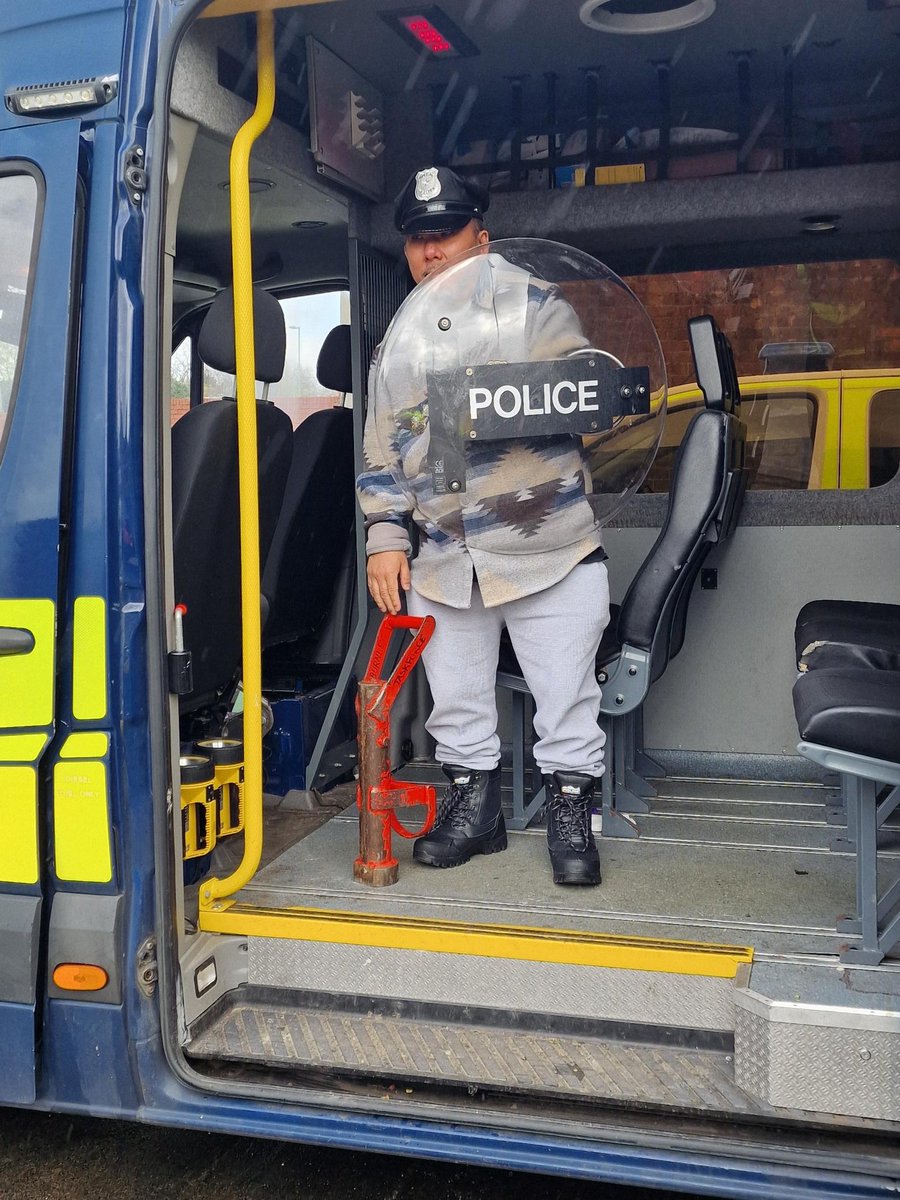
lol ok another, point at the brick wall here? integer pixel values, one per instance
(179, 408)
(852, 305)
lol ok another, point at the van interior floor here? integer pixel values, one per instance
(719, 863)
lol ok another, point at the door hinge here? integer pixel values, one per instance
(147, 970)
(135, 173)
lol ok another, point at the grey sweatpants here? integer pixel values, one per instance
(555, 634)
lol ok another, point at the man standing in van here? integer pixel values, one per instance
(520, 548)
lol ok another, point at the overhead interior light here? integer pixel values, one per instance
(256, 185)
(645, 16)
(821, 223)
(430, 30)
(36, 99)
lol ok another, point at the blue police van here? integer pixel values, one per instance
(197, 260)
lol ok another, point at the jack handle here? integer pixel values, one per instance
(379, 795)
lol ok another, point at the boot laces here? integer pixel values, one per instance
(570, 814)
(457, 808)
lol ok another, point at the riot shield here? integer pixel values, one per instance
(522, 378)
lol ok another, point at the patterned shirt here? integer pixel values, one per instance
(524, 520)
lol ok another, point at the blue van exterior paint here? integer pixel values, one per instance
(120, 1060)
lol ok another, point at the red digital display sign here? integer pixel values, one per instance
(426, 34)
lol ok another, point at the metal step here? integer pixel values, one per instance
(803, 834)
(821, 1036)
(755, 810)
(597, 977)
(735, 830)
(749, 790)
(422, 1051)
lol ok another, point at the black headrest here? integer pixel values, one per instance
(714, 364)
(216, 344)
(333, 368)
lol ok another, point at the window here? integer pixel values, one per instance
(181, 379)
(308, 319)
(780, 435)
(795, 330)
(781, 430)
(884, 436)
(18, 214)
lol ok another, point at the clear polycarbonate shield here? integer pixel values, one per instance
(518, 382)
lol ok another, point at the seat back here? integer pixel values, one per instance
(721, 530)
(215, 344)
(334, 366)
(707, 483)
(314, 536)
(314, 528)
(205, 499)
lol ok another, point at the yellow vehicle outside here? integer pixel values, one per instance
(812, 430)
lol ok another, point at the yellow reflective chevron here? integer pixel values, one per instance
(85, 745)
(19, 843)
(89, 659)
(21, 747)
(81, 837)
(26, 680)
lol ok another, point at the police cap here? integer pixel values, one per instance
(437, 200)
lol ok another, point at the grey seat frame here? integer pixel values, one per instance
(876, 921)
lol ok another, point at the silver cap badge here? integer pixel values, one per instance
(427, 184)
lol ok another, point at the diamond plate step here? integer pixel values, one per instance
(443, 1052)
(822, 1037)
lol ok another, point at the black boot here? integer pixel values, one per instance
(469, 820)
(573, 851)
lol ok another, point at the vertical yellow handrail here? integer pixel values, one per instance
(245, 353)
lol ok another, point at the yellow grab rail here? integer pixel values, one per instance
(248, 469)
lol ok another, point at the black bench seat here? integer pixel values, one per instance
(855, 709)
(847, 633)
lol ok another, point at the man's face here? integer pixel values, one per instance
(425, 252)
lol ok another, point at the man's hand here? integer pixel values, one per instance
(384, 573)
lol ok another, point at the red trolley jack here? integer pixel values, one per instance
(379, 795)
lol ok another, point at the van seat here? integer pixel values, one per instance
(334, 366)
(854, 709)
(205, 502)
(313, 542)
(847, 633)
(849, 722)
(647, 630)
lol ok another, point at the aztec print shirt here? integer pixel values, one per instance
(523, 521)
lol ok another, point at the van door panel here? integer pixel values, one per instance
(30, 498)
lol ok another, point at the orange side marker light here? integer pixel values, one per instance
(80, 977)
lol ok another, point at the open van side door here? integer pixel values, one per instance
(39, 216)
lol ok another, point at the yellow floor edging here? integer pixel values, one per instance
(566, 946)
